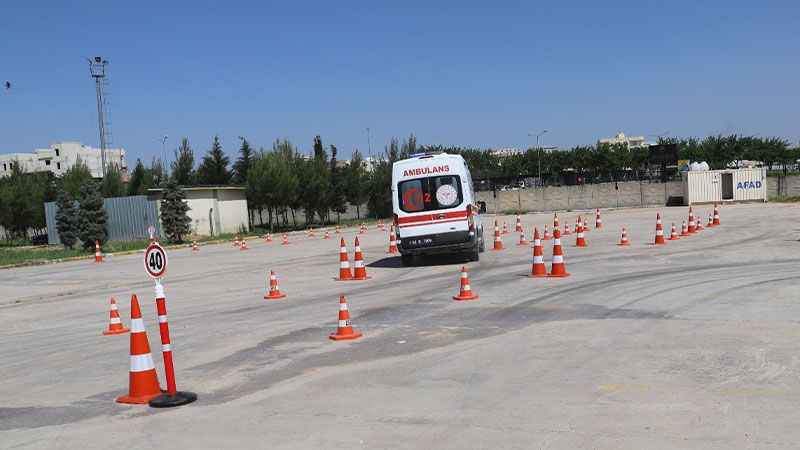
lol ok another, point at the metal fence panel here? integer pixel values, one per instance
(128, 219)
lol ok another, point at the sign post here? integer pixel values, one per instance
(155, 265)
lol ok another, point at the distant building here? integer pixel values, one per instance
(60, 156)
(505, 152)
(620, 138)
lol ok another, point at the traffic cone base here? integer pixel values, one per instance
(118, 331)
(274, 295)
(343, 337)
(466, 297)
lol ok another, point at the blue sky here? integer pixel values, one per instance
(454, 73)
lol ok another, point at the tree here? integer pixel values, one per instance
(157, 175)
(355, 182)
(183, 166)
(92, 216)
(243, 164)
(136, 182)
(336, 195)
(174, 218)
(112, 185)
(75, 177)
(21, 201)
(67, 219)
(214, 168)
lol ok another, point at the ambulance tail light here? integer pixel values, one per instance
(396, 221)
(471, 218)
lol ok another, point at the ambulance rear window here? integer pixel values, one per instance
(430, 194)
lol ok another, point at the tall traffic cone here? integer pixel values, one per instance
(567, 232)
(698, 224)
(555, 221)
(345, 273)
(344, 330)
(598, 221)
(243, 247)
(673, 233)
(465, 291)
(546, 235)
(285, 240)
(659, 231)
(392, 241)
(142, 379)
(195, 247)
(498, 241)
(623, 241)
(273, 292)
(692, 228)
(98, 255)
(518, 226)
(522, 240)
(505, 228)
(359, 270)
(538, 269)
(684, 229)
(584, 225)
(716, 215)
(558, 268)
(115, 323)
(580, 238)
(327, 235)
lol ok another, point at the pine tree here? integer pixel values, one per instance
(92, 216)
(112, 185)
(183, 167)
(75, 177)
(214, 168)
(336, 198)
(66, 219)
(136, 185)
(243, 164)
(356, 181)
(157, 174)
(174, 218)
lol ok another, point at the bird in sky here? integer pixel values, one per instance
(7, 84)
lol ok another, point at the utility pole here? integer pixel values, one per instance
(97, 68)
(539, 149)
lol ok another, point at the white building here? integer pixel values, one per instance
(620, 138)
(60, 156)
(506, 152)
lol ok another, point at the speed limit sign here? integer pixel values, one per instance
(155, 260)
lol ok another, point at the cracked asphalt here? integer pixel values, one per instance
(688, 345)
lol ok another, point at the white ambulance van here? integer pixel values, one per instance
(434, 207)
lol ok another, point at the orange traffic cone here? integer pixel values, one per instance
(269, 238)
(692, 225)
(465, 292)
(345, 329)
(142, 380)
(522, 240)
(558, 268)
(359, 270)
(710, 223)
(285, 240)
(555, 221)
(327, 235)
(344, 263)
(195, 247)
(338, 230)
(659, 231)
(310, 233)
(623, 241)
(580, 239)
(114, 322)
(362, 229)
(98, 255)
(598, 221)
(518, 226)
(392, 241)
(274, 292)
(498, 241)
(673, 233)
(546, 236)
(684, 229)
(567, 232)
(505, 228)
(698, 227)
(716, 215)
(236, 241)
(538, 269)
(243, 247)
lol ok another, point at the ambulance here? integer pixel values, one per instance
(434, 207)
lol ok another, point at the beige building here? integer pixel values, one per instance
(214, 209)
(620, 138)
(60, 156)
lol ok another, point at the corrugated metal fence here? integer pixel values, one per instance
(128, 218)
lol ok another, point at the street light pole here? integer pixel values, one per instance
(539, 149)
(164, 151)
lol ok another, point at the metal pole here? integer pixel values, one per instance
(369, 145)
(539, 160)
(101, 125)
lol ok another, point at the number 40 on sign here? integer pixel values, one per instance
(155, 261)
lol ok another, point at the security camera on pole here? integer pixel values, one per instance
(155, 265)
